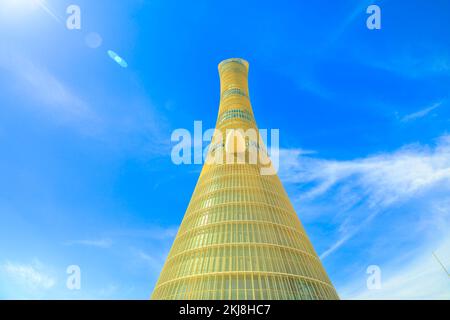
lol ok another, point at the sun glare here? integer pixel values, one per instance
(21, 5)
(17, 10)
(13, 9)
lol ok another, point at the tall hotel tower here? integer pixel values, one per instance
(240, 237)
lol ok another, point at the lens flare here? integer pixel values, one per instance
(119, 60)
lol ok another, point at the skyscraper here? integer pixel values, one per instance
(240, 237)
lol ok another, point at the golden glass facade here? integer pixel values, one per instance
(240, 237)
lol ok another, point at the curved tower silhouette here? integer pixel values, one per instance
(240, 237)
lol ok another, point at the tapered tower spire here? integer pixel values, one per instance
(240, 237)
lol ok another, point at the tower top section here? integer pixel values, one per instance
(226, 63)
(234, 92)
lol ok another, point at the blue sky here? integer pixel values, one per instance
(85, 171)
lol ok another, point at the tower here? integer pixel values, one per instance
(240, 237)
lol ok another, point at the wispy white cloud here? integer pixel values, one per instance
(155, 261)
(49, 10)
(404, 192)
(384, 178)
(374, 183)
(138, 128)
(410, 62)
(416, 67)
(422, 113)
(151, 260)
(29, 275)
(153, 232)
(48, 94)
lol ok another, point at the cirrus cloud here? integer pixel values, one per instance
(30, 275)
(381, 209)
